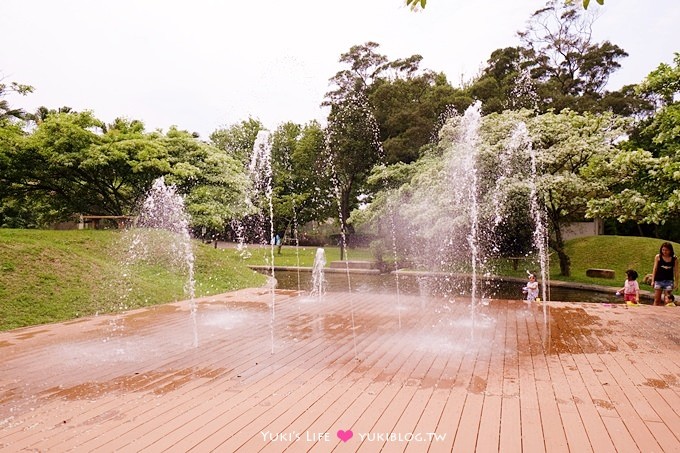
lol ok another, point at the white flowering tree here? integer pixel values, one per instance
(565, 146)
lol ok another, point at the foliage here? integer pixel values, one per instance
(414, 4)
(408, 111)
(351, 136)
(641, 181)
(664, 81)
(213, 182)
(7, 113)
(567, 144)
(660, 133)
(382, 111)
(302, 189)
(238, 139)
(587, 2)
(73, 163)
(426, 206)
(636, 186)
(557, 66)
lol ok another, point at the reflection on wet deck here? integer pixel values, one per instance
(406, 373)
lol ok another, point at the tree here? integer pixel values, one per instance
(557, 66)
(351, 151)
(74, 163)
(641, 181)
(8, 113)
(213, 183)
(302, 190)
(409, 110)
(505, 82)
(430, 204)
(238, 139)
(352, 147)
(381, 111)
(569, 69)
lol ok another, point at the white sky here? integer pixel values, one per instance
(204, 64)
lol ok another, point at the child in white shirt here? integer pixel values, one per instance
(531, 290)
(631, 288)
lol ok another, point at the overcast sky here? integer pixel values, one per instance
(204, 64)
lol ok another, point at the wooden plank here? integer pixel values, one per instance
(530, 428)
(554, 436)
(585, 377)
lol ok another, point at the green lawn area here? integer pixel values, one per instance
(49, 276)
(618, 253)
(301, 256)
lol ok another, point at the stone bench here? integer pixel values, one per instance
(600, 273)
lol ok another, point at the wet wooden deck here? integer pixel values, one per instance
(413, 374)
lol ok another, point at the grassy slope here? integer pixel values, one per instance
(611, 252)
(48, 276)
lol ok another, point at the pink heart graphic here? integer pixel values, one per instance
(345, 435)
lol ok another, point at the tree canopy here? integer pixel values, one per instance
(557, 66)
(641, 182)
(73, 163)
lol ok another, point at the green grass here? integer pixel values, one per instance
(50, 276)
(611, 252)
(291, 256)
(618, 253)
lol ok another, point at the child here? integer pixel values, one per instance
(531, 290)
(631, 289)
(669, 300)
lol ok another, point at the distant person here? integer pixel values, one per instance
(666, 275)
(631, 288)
(531, 289)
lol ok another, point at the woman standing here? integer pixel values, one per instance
(666, 274)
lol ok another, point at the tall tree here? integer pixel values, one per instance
(570, 70)
(505, 83)
(351, 136)
(409, 110)
(557, 66)
(302, 192)
(213, 183)
(382, 111)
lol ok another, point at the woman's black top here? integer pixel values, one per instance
(664, 269)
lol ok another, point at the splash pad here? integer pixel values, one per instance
(427, 376)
